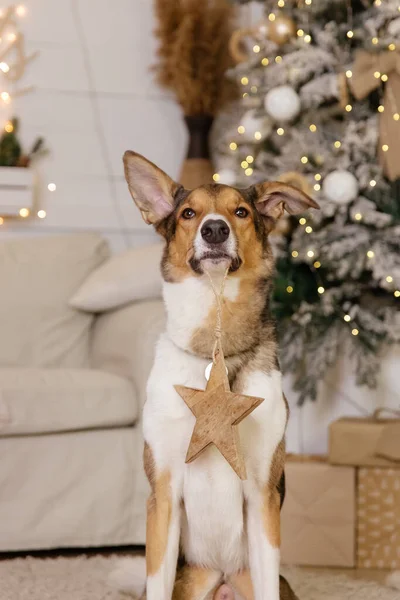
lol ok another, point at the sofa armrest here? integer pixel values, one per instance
(123, 342)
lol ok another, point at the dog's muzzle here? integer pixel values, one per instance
(215, 246)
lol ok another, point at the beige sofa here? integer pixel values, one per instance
(72, 385)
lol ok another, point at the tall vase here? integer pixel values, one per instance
(197, 169)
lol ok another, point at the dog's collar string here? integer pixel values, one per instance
(218, 322)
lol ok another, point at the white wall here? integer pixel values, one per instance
(94, 98)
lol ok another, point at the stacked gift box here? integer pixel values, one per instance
(344, 510)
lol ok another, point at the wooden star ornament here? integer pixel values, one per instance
(218, 412)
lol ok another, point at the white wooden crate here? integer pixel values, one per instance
(16, 190)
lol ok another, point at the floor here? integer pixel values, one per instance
(375, 575)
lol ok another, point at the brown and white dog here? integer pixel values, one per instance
(228, 530)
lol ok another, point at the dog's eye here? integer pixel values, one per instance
(188, 213)
(241, 212)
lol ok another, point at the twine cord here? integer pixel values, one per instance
(218, 322)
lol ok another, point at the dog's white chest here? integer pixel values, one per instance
(213, 521)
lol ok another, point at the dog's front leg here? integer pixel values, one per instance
(162, 535)
(262, 436)
(263, 525)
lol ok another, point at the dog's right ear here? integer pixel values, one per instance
(152, 190)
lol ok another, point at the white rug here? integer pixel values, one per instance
(85, 578)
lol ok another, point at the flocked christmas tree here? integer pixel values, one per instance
(321, 110)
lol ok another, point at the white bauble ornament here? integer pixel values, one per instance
(282, 103)
(340, 186)
(227, 176)
(253, 123)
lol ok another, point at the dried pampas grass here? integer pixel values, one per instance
(193, 53)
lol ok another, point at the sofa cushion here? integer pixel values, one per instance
(51, 400)
(38, 276)
(132, 275)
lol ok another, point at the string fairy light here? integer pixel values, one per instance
(295, 253)
(347, 318)
(24, 212)
(1, 220)
(216, 177)
(355, 331)
(41, 214)
(302, 221)
(52, 186)
(20, 10)
(289, 289)
(396, 293)
(233, 146)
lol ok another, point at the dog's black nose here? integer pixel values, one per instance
(215, 231)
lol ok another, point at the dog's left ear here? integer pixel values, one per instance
(272, 198)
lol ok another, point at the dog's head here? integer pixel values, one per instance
(214, 226)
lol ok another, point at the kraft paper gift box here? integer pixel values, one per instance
(318, 516)
(378, 518)
(370, 441)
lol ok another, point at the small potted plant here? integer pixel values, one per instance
(16, 176)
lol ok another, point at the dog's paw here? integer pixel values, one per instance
(224, 592)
